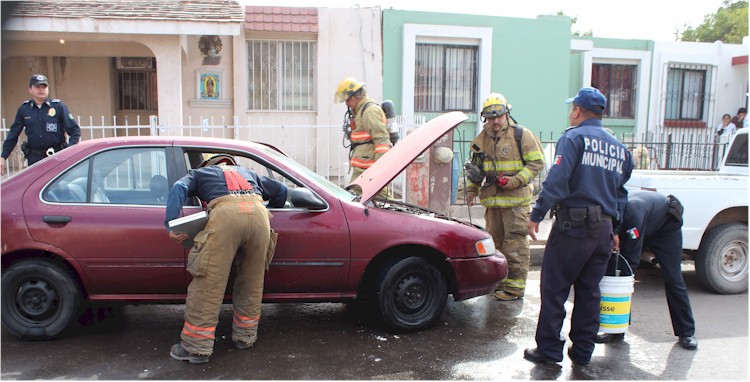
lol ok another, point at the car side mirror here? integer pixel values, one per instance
(304, 198)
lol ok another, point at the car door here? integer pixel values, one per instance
(107, 213)
(312, 256)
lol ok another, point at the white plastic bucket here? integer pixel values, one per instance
(616, 294)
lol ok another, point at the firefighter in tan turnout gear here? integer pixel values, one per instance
(370, 139)
(505, 157)
(238, 232)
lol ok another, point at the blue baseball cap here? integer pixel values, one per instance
(591, 99)
(38, 79)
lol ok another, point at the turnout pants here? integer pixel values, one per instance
(508, 229)
(577, 257)
(238, 230)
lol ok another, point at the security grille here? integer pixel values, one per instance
(281, 75)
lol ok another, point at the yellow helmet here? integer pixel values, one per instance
(347, 87)
(495, 105)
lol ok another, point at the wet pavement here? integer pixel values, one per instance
(476, 339)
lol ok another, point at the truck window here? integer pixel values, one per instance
(738, 152)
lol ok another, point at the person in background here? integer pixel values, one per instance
(726, 126)
(741, 113)
(654, 221)
(238, 231)
(46, 121)
(508, 156)
(369, 136)
(586, 188)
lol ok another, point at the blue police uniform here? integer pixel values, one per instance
(585, 187)
(45, 125)
(649, 222)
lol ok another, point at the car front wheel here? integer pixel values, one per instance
(39, 299)
(412, 294)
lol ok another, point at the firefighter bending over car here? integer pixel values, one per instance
(366, 130)
(505, 157)
(238, 230)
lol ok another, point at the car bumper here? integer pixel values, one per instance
(478, 276)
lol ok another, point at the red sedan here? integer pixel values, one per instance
(87, 224)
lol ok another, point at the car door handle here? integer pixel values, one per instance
(55, 219)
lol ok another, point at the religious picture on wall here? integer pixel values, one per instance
(209, 86)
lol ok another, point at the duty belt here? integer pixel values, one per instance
(572, 217)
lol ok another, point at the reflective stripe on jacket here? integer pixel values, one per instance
(501, 157)
(370, 138)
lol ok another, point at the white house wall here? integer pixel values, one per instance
(729, 84)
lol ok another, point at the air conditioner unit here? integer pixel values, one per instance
(136, 62)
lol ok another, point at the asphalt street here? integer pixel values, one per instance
(478, 339)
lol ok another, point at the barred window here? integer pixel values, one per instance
(445, 78)
(686, 89)
(281, 75)
(617, 83)
(136, 84)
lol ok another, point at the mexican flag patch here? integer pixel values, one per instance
(558, 159)
(633, 233)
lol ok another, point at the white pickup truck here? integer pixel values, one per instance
(716, 215)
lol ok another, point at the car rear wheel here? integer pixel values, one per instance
(412, 294)
(39, 299)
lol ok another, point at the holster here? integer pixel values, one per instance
(675, 209)
(25, 149)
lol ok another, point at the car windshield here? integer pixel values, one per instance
(322, 181)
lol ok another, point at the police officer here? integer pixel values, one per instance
(510, 157)
(585, 186)
(238, 224)
(652, 220)
(46, 122)
(370, 138)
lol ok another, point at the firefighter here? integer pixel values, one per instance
(238, 230)
(370, 138)
(508, 157)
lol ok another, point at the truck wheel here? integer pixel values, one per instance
(412, 295)
(721, 264)
(39, 299)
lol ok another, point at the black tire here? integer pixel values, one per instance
(722, 264)
(39, 299)
(411, 295)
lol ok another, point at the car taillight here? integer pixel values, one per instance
(485, 247)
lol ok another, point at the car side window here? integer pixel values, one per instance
(130, 176)
(135, 176)
(72, 187)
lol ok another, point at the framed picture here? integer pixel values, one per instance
(209, 85)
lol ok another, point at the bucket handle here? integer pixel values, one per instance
(620, 256)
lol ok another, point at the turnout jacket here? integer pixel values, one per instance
(370, 138)
(209, 183)
(501, 157)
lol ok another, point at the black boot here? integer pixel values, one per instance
(181, 354)
(609, 337)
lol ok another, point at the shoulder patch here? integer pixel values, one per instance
(25, 102)
(55, 100)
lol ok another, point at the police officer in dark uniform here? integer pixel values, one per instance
(238, 231)
(652, 220)
(585, 187)
(46, 122)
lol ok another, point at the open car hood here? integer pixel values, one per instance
(385, 169)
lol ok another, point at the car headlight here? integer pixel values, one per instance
(485, 247)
